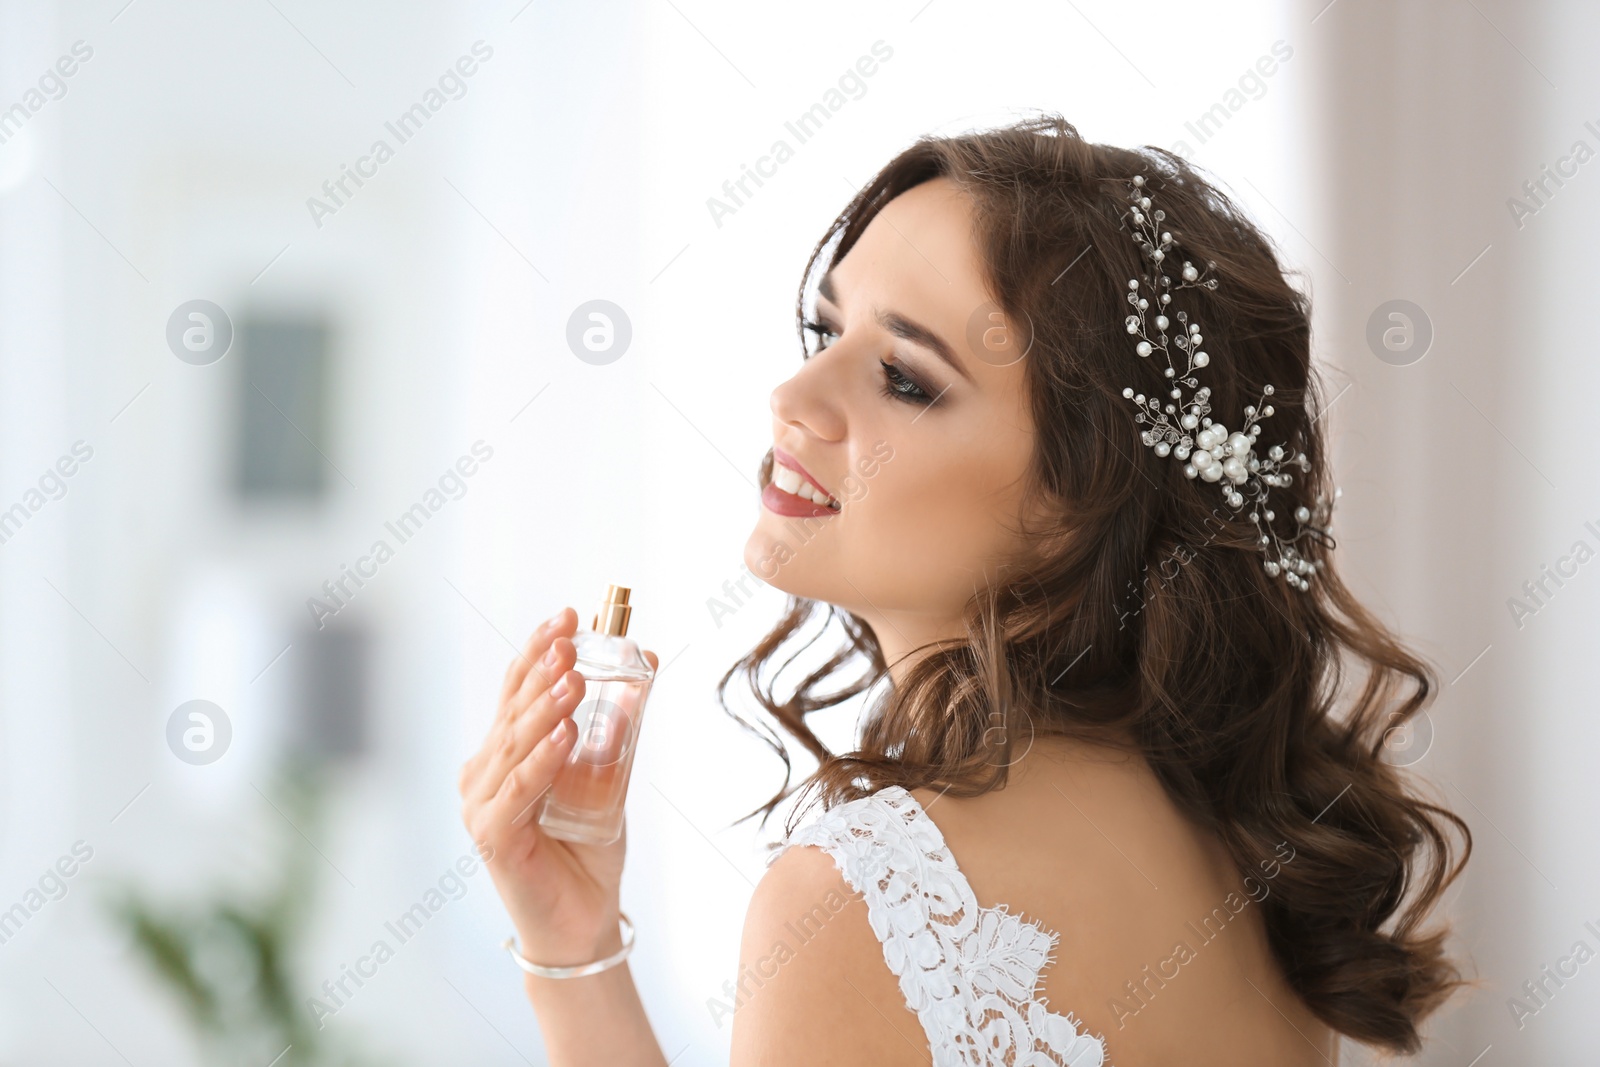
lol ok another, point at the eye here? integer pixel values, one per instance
(819, 331)
(896, 386)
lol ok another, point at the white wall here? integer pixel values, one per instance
(1462, 479)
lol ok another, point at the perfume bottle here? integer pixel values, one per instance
(584, 803)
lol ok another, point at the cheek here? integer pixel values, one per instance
(951, 508)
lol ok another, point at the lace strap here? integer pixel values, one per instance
(894, 855)
(971, 974)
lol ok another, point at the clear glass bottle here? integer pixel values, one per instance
(585, 802)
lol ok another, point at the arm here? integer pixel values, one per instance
(812, 985)
(562, 897)
(596, 1019)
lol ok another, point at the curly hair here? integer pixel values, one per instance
(1248, 706)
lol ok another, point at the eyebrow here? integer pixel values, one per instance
(904, 328)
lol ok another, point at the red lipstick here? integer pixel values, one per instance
(780, 456)
(779, 502)
(782, 502)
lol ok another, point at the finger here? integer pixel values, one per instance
(473, 784)
(473, 766)
(530, 651)
(558, 658)
(524, 732)
(655, 663)
(538, 643)
(479, 759)
(512, 804)
(518, 666)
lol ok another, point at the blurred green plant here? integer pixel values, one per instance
(228, 962)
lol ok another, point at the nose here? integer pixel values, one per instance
(811, 399)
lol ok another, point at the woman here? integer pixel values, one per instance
(1114, 643)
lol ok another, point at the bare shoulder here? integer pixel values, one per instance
(1160, 935)
(1088, 821)
(812, 985)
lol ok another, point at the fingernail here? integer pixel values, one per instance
(559, 690)
(559, 734)
(551, 656)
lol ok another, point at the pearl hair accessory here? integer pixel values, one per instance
(1210, 450)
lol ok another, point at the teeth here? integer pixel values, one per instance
(790, 481)
(822, 498)
(787, 480)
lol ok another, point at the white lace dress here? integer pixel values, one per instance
(971, 974)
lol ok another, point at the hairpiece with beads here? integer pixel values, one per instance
(1181, 425)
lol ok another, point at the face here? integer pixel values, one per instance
(925, 455)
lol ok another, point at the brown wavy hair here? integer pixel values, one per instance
(1144, 617)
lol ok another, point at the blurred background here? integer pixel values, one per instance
(300, 436)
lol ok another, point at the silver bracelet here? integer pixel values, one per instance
(581, 969)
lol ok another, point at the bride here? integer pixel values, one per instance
(1052, 461)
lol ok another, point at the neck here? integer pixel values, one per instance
(904, 637)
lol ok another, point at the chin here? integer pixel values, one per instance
(772, 556)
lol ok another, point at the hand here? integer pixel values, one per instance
(562, 896)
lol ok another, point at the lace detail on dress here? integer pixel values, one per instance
(971, 974)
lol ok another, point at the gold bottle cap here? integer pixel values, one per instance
(612, 618)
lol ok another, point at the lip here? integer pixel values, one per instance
(780, 456)
(781, 503)
(788, 504)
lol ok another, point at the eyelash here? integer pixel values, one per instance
(896, 384)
